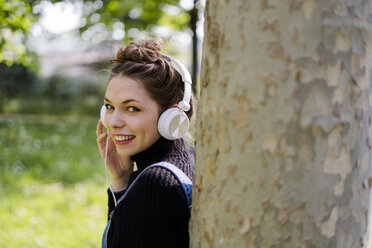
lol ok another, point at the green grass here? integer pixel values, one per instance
(52, 183)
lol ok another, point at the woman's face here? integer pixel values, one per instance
(131, 116)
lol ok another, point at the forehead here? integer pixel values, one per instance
(123, 87)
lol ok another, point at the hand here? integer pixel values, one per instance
(120, 167)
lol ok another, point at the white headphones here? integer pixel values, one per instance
(102, 115)
(173, 123)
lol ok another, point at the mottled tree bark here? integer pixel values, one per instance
(283, 150)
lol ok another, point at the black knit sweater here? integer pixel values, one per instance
(155, 212)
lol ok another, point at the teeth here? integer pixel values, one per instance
(124, 138)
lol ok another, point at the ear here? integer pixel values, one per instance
(174, 106)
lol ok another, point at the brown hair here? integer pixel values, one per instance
(142, 60)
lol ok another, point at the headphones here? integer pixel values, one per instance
(173, 123)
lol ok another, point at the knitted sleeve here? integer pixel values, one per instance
(154, 214)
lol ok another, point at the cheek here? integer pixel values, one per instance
(106, 124)
(145, 125)
(151, 125)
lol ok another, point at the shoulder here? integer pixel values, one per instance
(161, 177)
(163, 182)
(156, 189)
(183, 157)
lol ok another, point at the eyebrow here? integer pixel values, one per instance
(124, 102)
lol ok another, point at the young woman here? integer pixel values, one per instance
(155, 213)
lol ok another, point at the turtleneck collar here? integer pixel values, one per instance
(159, 151)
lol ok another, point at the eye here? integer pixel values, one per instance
(133, 109)
(109, 107)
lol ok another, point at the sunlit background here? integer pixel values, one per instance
(54, 57)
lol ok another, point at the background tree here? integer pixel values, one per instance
(16, 18)
(283, 149)
(143, 15)
(102, 21)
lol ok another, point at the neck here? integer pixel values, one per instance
(161, 150)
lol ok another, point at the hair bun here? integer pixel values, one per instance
(141, 51)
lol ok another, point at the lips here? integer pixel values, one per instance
(123, 139)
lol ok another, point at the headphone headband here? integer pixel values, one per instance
(186, 79)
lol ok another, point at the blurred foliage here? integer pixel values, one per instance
(84, 106)
(22, 92)
(47, 150)
(52, 183)
(103, 18)
(17, 80)
(134, 15)
(51, 175)
(16, 18)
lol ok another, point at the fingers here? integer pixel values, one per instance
(99, 129)
(101, 137)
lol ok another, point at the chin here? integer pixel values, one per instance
(126, 153)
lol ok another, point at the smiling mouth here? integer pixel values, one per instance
(122, 138)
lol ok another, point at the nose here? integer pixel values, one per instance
(116, 120)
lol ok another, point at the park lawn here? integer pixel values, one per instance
(52, 183)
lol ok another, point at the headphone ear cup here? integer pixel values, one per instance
(103, 114)
(173, 124)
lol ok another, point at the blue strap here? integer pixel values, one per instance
(181, 178)
(105, 234)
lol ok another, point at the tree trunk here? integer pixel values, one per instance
(284, 131)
